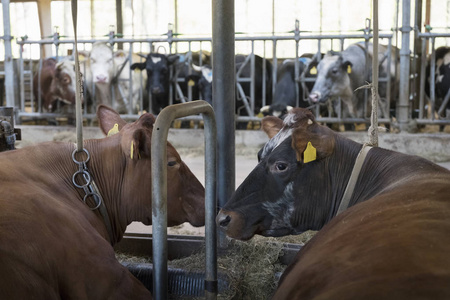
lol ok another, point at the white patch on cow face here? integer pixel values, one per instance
(282, 135)
(101, 62)
(156, 60)
(207, 73)
(282, 209)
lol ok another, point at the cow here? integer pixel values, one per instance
(53, 246)
(287, 87)
(389, 242)
(54, 84)
(341, 74)
(107, 77)
(162, 70)
(442, 80)
(243, 69)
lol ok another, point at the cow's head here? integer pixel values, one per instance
(281, 195)
(63, 84)
(158, 71)
(102, 61)
(332, 79)
(185, 194)
(202, 80)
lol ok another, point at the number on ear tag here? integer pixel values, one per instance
(310, 153)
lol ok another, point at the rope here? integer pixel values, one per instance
(78, 95)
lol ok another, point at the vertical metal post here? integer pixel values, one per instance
(403, 104)
(159, 195)
(223, 41)
(9, 68)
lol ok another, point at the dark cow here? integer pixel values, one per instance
(442, 80)
(341, 74)
(158, 67)
(243, 69)
(285, 96)
(55, 84)
(392, 243)
(53, 246)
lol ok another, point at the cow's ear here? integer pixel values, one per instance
(312, 142)
(172, 58)
(109, 120)
(347, 66)
(138, 144)
(140, 66)
(192, 80)
(271, 125)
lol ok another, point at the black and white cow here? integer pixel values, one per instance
(158, 67)
(204, 80)
(340, 74)
(383, 229)
(285, 96)
(442, 79)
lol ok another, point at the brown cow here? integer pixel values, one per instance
(52, 245)
(392, 243)
(57, 84)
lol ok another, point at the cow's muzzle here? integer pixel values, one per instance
(234, 225)
(314, 97)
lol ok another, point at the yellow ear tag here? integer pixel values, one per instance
(191, 82)
(349, 69)
(310, 153)
(313, 71)
(113, 130)
(132, 149)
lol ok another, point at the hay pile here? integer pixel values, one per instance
(252, 267)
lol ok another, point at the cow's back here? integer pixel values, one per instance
(394, 246)
(52, 245)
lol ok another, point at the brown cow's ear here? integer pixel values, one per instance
(312, 142)
(109, 120)
(271, 125)
(140, 145)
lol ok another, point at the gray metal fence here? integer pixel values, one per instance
(268, 47)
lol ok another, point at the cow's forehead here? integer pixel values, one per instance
(281, 136)
(328, 61)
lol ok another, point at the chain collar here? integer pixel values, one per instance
(91, 190)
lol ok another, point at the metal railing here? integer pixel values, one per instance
(265, 46)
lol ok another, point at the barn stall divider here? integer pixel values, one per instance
(265, 46)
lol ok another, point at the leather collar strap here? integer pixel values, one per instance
(353, 178)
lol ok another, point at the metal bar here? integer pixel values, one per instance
(432, 78)
(405, 52)
(9, 68)
(223, 41)
(239, 38)
(422, 79)
(159, 193)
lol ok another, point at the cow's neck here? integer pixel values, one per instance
(105, 167)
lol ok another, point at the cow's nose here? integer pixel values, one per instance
(101, 78)
(314, 97)
(223, 220)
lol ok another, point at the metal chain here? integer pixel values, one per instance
(88, 185)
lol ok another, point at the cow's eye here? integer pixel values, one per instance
(281, 166)
(334, 71)
(171, 163)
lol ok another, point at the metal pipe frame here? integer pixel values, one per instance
(159, 194)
